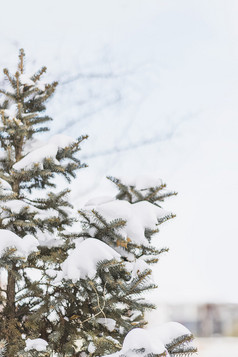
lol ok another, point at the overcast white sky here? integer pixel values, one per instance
(177, 88)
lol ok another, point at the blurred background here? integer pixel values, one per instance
(154, 84)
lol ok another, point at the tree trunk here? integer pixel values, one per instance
(12, 332)
(11, 291)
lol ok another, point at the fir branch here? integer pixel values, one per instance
(36, 77)
(183, 351)
(178, 345)
(8, 94)
(10, 78)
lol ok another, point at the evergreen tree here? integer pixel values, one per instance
(28, 165)
(105, 222)
(69, 291)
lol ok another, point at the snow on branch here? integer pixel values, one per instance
(169, 339)
(138, 342)
(37, 151)
(139, 216)
(22, 246)
(141, 182)
(37, 344)
(82, 261)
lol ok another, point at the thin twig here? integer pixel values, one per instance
(98, 301)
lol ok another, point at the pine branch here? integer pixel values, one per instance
(183, 351)
(36, 77)
(10, 78)
(179, 346)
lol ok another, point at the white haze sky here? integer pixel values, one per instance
(176, 115)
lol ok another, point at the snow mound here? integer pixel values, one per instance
(15, 206)
(24, 79)
(37, 156)
(37, 151)
(139, 216)
(137, 267)
(37, 344)
(140, 339)
(4, 185)
(11, 112)
(82, 261)
(24, 246)
(46, 239)
(110, 324)
(169, 331)
(151, 341)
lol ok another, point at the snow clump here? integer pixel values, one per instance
(37, 344)
(22, 246)
(82, 261)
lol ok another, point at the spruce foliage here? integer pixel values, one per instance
(23, 175)
(131, 251)
(79, 290)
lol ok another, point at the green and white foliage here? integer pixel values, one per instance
(101, 295)
(65, 290)
(167, 340)
(141, 188)
(130, 221)
(128, 227)
(30, 205)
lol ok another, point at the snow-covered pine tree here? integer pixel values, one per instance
(58, 309)
(70, 293)
(127, 223)
(31, 214)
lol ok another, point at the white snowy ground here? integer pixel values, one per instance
(218, 347)
(155, 84)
